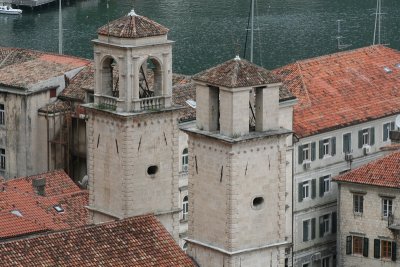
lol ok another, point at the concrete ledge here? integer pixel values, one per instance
(231, 253)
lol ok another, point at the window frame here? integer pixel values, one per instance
(326, 147)
(366, 136)
(386, 212)
(386, 254)
(306, 186)
(358, 203)
(2, 159)
(343, 147)
(2, 114)
(306, 151)
(327, 181)
(185, 160)
(391, 127)
(309, 230)
(326, 261)
(360, 245)
(185, 208)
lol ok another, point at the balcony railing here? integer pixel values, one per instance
(108, 102)
(150, 103)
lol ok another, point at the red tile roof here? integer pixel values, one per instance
(36, 212)
(138, 241)
(132, 26)
(343, 89)
(236, 73)
(383, 172)
(22, 68)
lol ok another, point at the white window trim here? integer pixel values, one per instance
(329, 154)
(308, 160)
(383, 207)
(185, 158)
(368, 133)
(329, 177)
(354, 207)
(185, 204)
(308, 191)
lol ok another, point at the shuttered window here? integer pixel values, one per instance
(347, 143)
(387, 127)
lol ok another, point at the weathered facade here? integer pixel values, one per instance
(348, 102)
(368, 202)
(239, 188)
(133, 132)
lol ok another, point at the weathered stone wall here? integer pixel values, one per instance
(120, 151)
(370, 224)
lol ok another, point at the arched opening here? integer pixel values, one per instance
(150, 80)
(110, 77)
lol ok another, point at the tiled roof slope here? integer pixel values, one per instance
(22, 68)
(137, 241)
(33, 213)
(183, 90)
(383, 172)
(343, 89)
(236, 73)
(132, 26)
(82, 82)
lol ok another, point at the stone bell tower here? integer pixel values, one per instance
(132, 126)
(239, 185)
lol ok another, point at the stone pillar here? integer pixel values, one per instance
(207, 107)
(234, 111)
(267, 108)
(167, 79)
(135, 84)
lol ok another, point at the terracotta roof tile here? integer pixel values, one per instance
(343, 89)
(138, 241)
(22, 68)
(382, 172)
(37, 212)
(132, 26)
(237, 73)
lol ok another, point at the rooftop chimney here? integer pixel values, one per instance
(39, 186)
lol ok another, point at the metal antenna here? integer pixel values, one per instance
(378, 23)
(339, 38)
(108, 21)
(60, 30)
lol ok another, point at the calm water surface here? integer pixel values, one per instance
(208, 32)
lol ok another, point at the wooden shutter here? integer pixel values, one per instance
(313, 188)
(365, 247)
(372, 136)
(333, 146)
(321, 226)
(348, 245)
(334, 222)
(385, 131)
(300, 154)
(300, 192)
(305, 231)
(394, 250)
(313, 152)
(377, 248)
(321, 186)
(321, 149)
(313, 228)
(360, 137)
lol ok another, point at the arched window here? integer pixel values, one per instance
(185, 160)
(110, 77)
(185, 208)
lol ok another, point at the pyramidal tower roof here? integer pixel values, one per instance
(236, 73)
(132, 26)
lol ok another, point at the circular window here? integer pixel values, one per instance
(152, 170)
(257, 203)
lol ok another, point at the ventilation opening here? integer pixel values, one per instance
(258, 203)
(152, 170)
